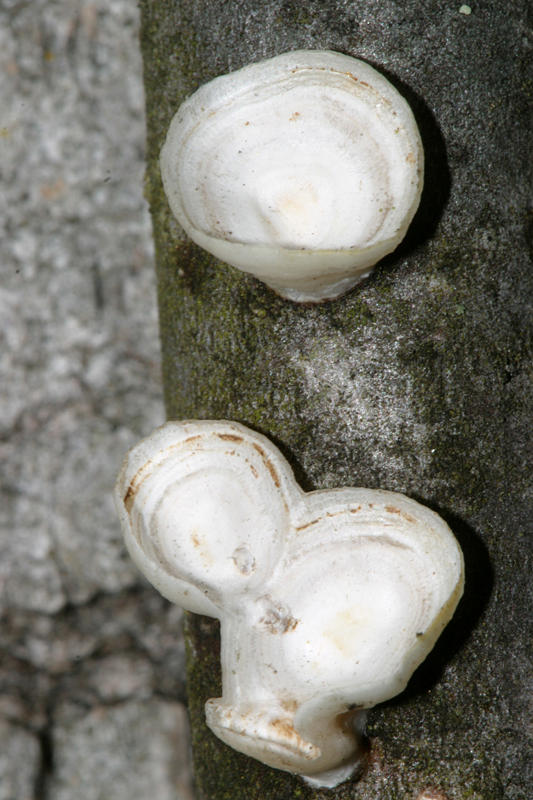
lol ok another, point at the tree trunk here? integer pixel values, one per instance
(416, 381)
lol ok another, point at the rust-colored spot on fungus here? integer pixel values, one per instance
(135, 485)
(128, 497)
(355, 510)
(308, 524)
(273, 472)
(229, 437)
(268, 464)
(283, 730)
(284, 727)
(394, 510)
(259, 450)
(349, 75)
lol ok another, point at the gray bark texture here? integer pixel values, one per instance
(91, 668)
(417, 381)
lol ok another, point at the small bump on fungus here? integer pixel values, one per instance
(328, 600)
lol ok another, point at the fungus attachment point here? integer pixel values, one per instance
(304, 170)
(328, 601)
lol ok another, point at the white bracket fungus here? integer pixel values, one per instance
(327, 600)
(304, 170)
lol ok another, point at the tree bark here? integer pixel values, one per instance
(416, 381)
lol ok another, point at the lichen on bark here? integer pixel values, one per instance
(417, 381)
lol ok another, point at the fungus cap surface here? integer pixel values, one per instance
(304, 170)
(328, 601)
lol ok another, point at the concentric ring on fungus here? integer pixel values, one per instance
(303, 170)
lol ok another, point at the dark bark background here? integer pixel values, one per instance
(417, 381)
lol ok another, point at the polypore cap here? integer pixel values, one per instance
(328, 600)
(304, 170)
